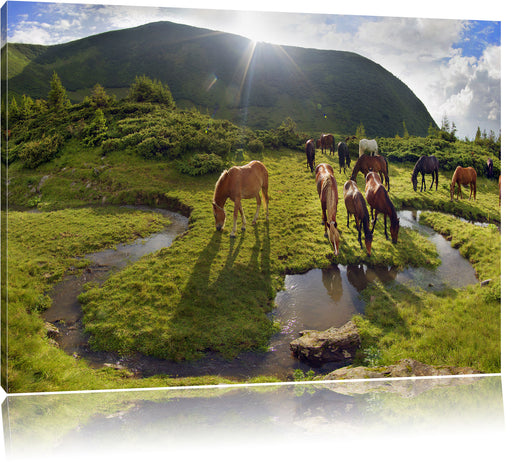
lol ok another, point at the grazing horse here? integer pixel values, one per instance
(239, 183)
(463, 176)
(328, 193)
(368, 145)
(310, 154)
(424, 165)
(327, 142)
(343, 155)
(489, 168)
(367, 164)
(356, 205)
(379, 202)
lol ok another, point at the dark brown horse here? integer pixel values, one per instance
(489, 168)
(366, 164)
(463, 176)
(328, 193)
(239, 183)
(356, 205)
(310, 154)
(343, 155)
(424, 165)
(327, 143)
(379, 202)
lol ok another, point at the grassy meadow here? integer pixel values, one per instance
(209, 292)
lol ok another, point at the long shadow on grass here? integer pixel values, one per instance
(221, 305)
(383, 307)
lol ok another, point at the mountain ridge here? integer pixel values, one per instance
(258, 84)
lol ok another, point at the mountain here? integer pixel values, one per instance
(257, 84)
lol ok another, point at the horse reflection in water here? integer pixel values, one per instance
(331, 278)
(360, 275)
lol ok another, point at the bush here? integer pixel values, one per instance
(201, 164)
(150, 91)
(35, 153)
(255, 146)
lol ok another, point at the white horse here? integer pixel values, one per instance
(368, 145)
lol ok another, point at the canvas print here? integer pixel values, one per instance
(203, 197)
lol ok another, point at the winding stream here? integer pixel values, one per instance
(318, 299)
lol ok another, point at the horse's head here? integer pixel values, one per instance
(334, 237)
(414, 180)
(220, 216)
(395, 226)
(368, 238)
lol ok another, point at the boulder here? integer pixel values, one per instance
(337, 344)
(405, 368)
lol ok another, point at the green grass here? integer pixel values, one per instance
(209, 292)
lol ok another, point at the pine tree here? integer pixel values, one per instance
(360, 131)
(406, 132)
(57, 98)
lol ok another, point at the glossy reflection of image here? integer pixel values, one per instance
(456, 416)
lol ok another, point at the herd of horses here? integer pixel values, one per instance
(245, 182)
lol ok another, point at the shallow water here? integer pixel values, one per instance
(318, 299)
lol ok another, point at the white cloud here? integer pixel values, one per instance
(424, 53)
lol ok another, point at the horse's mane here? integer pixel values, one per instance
(221, 179)
(417, 166)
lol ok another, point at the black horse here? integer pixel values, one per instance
(424, 165)
(343, 155)
(310, 154)
(489, 168)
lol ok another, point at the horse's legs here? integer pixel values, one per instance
(432, 184)
(324, 219)
(258, 204)
(348, 218)
(235, 215)
(264, 190)
(386, 226)
(374, 220)
(359, 224)
(242, 214)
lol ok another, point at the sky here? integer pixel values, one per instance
(453, 64)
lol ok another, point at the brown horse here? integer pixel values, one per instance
(328, 192)
(327, 142)
(379, 202)
(239, 183)
(366, 164)
(356, 205)
(463, 176)
(310, 154)
(499, 184)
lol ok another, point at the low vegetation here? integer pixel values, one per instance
(187, 299)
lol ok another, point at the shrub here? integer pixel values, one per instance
(35, 153)
(255, 146)
(201, 164)
(150, 91)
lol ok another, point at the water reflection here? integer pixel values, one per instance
(300, 419)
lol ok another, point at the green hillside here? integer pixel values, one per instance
(230, 77)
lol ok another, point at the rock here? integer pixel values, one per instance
(405, 368)
(51, 331)
(332, 345)
(42, 182)
(485, 283)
